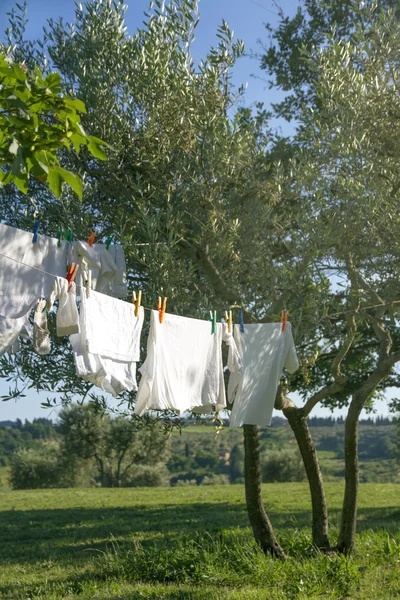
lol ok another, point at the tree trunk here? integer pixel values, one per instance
(347, 533)
(260, 523)
(302, 432)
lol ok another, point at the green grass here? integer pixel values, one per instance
(190, 543)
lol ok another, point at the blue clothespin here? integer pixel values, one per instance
(108, 242)
(35, 230)
(240, 315)
(213, 319)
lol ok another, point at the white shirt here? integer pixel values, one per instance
(183, 369)
(264, 350)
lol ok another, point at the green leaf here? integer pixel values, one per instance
(96, 150)
(74, 181)
(77, 140)
(19, 164)
(76, 104)
(20, 182)
(54, 180)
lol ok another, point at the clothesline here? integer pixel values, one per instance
(184, 365)
(327, 316)
(54, 275)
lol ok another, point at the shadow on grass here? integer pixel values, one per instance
(68, 535)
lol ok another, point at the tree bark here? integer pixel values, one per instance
(260, 523)
(347, 534)
(301, 430)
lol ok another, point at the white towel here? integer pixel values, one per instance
(183, 369)
(20, 285)
(264, 351)
(108, 346)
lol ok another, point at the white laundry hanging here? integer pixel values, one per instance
(264, 350)
(108, 267)
(183, 369)
(22, 284)
(108, 346)
(11, 330)
(67, 319)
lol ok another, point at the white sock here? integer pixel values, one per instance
(41, 334)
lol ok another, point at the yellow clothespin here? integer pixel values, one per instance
(228, 319)
(136, 300)
(161, 308)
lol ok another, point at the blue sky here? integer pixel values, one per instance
(247, 18)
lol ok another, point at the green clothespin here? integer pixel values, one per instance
(108, 242)
(68, 235)
(213, 319)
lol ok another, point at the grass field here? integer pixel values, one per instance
(189, 543)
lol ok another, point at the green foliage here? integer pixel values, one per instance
(32, 469)
(282, 465)
(147, 476)
(36, 121)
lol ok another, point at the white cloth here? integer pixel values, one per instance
(41, 335)
(67, 320)
(183, 369)
(264, 350)
(108, 346)
(11, 330)
(108, 267)
(20, 285)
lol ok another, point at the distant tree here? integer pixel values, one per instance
(282, 466)
(32, 469)
(115, 445)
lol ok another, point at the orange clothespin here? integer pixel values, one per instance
(228, 319)
(284, 318)
(161, 308)
(91, 238)
(70, 276)
(136, 300)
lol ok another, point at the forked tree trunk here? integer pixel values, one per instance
(260, 523)
(302, 432)
(347, 533)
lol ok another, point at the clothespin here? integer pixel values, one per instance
(213, 319)
(68, 235)
(35, 230)
(88, 283)
(59, 236)
(284, 318)
(228, 319)
(108, 242)
(161, 308)
(136, 300)
(240, 315)
(91, 238)
(72, 271)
